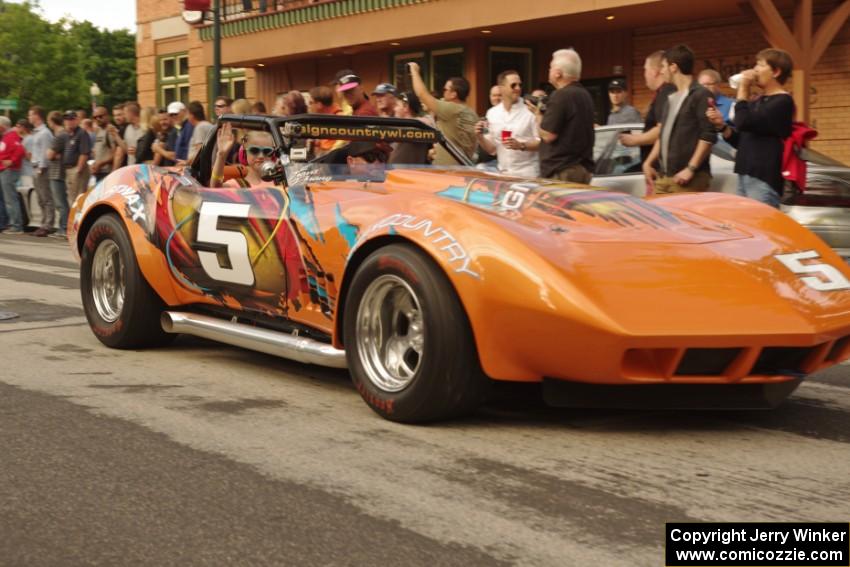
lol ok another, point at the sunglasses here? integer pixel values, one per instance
(99, 115)
(221, 106)
(516, 85)
(174, 114)
(266, 151)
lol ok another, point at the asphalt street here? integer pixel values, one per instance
(203, 454)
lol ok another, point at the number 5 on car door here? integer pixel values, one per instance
(240, 271)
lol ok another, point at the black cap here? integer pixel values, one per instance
(412, 101)
(617, 84)
(69, 114)
(357, 149)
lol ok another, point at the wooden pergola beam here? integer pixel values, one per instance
(777, 31)
(828, 30)
(803, 28)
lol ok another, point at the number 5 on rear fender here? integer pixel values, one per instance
(240, 271)
(827, 277)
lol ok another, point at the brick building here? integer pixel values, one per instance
(272, 46)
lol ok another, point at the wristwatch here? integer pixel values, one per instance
(692, 168)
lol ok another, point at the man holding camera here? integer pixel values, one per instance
(454, 119)
(566, 129)
(510, 130)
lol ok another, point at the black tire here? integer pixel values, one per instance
(447, 380)
(135, 322)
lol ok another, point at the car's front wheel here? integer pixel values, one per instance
(121, 308)
(408, 340)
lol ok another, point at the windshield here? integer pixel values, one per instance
(300, 173)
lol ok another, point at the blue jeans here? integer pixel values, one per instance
(9, 182)
(60, 201)
(757, 189)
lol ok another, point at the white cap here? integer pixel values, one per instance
(175, 107)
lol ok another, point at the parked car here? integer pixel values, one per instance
(823, 206)
(429, 282)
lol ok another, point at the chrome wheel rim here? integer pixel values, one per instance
(390, 333)
(107, 281)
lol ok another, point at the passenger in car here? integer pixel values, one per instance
(259, 148)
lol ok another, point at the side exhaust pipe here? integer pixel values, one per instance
(300, 349)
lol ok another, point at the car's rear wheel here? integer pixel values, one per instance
(408, 341)
(122, 309)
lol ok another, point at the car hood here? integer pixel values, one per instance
(537, 209)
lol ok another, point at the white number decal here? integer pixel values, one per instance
(240, 271)
(828, 277)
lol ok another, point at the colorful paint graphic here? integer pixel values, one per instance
(507, 198)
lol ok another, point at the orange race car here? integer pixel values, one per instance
(428, 283)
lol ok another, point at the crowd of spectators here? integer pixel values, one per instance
(548, 134)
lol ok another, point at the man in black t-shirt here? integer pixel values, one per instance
(566, 129)
(661, 89)
(75, 158)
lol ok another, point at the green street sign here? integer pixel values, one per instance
(8, 104)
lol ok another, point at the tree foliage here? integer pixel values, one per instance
(54, 64)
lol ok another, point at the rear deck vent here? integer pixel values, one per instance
(706, 361)
(781, 360)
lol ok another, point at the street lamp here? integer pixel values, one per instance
(94, 91)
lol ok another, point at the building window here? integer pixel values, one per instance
(232, 83)
(400, 72)
(445, 64)
(173, 79)
(517, 59)
(436, 65)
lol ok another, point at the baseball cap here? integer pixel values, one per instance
(347, 82)
(175, 107)
(385, 88)
(616, 84)
(69, 114)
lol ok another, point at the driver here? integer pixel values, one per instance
(259, 148)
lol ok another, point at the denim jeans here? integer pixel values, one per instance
(60, 201)
(757, 189)
(8, 183)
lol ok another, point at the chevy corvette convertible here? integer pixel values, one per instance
(430, 283)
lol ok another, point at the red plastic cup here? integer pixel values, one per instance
(506, 134)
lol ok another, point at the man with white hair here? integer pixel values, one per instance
(566, 128)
